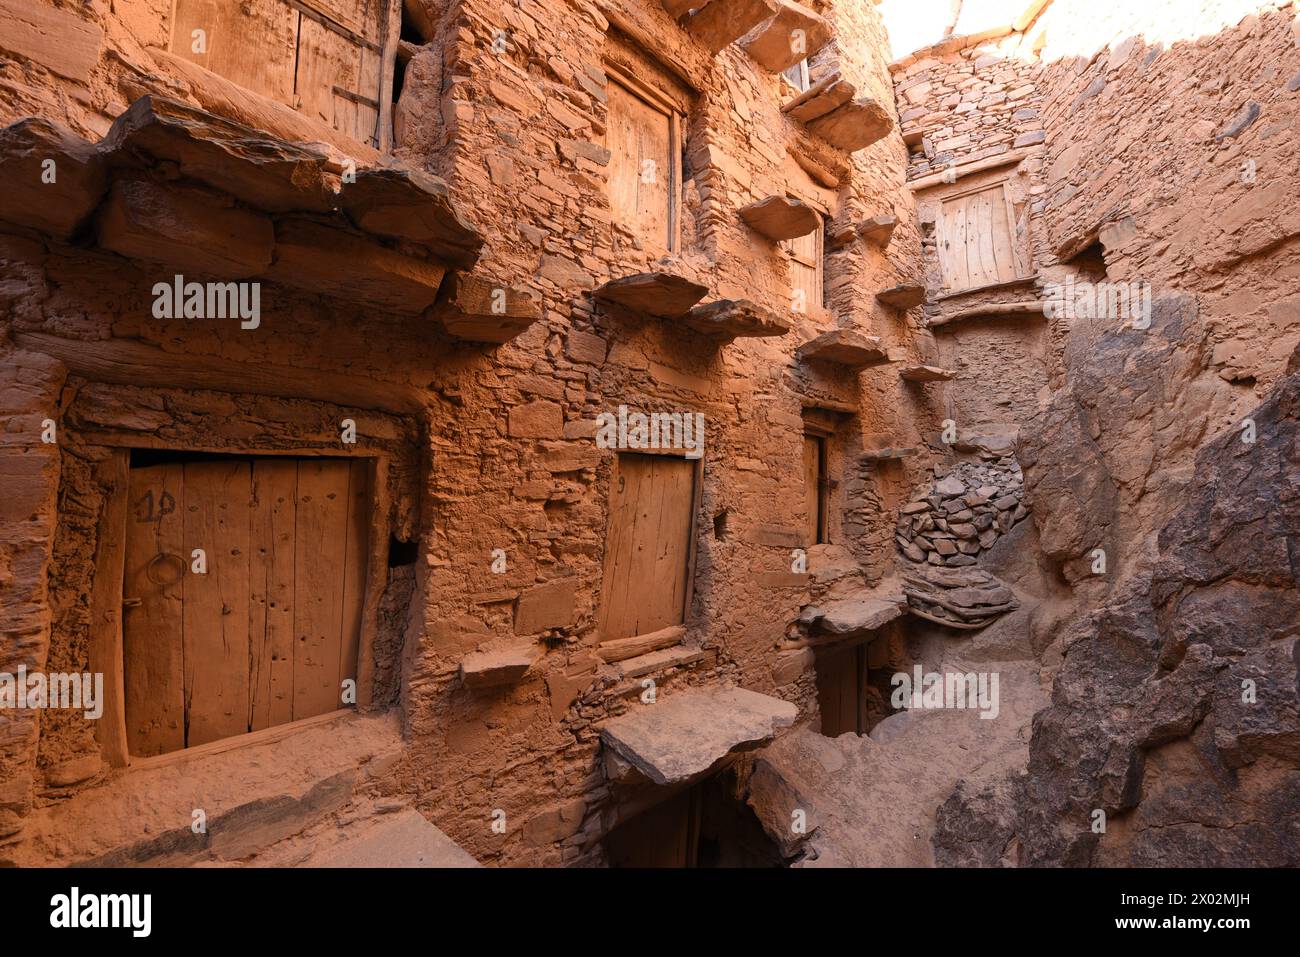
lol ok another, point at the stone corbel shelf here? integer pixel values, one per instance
(988, 311)
(844, 347)
(718, 24)
(924, 373)
(659, 294)
(478, 310)
(769, 44)
(780, 217)
(878, 230)
(493, 668)
(208, 197)
(887, 453)
(728, 319)
(829, 111)
(904, 296)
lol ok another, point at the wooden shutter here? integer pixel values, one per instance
(643, 170)
(253, 43)
(647, 550)
(322, 57)
(806, 268)
(270, 632)
(977, 240)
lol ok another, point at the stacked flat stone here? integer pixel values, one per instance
(968, 508)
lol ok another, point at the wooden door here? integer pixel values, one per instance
(977, 242)
(647, 549)
(642, 170)
(806, 270)
(322, 57)
(272, 629)
(814, 490)
(841, 689)
(667, 835)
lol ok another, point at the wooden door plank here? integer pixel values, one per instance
(218, 516)
(811, 487)
(152, 650)
(618, 530)
(677, 479)
(252, 43)
(355, 563)
(987, 256)
(271, 602)
(320, 540)
(105, 653)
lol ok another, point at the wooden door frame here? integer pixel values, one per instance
(106, 625)
(697, 498)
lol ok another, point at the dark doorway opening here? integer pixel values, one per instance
(706, 825)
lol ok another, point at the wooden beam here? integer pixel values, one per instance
(621, 649)
(106, 608)
(991, 310)
(954, 173)
(129, 362)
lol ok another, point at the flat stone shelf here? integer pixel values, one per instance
(844, 347)
(906, 295)
(780, 217)
(769, 44)
(997, 310)
(492, 668)
(853, 126)
(684, 735)
(923, 373)
(878, 230)
(478, 310)
(888, 453)
(863, 611)
(827, 94)
(721, 22)
(659, 294)
(728, 319)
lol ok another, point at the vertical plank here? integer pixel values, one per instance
(983, 202)
(271, 584)
(637, 132)
(252, 43)
(618, 533)
(812, 489)
(106, 655)
(355, 563)
(319, 546)
(152, 649)
(218, 515)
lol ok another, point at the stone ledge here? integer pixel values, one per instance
(728, 319)
(844, 347)
(683, 736)
(659, 294)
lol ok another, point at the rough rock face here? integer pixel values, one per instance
(1187, 681)
(968, 508)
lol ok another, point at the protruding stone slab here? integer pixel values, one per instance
(188, 229)
(728, 319)
(857, 614)
(29, 199)
(412, 205)
(824, 96)
(906, 295)
(400, 839)
(844, 347)
(503, 666)
(878, 230)
(265, 172)
(853, 126)
(336, 263)
(773, 44)
(723, 21)
(780, 217)
(682, 736)
(923, 373)
(479, 310)
(659, 294)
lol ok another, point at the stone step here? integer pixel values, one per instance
(728, 319)
(924, 373)
(771, 43)
(906, 295)
(844, 347)
(660, 294)
(780, 217)
(827, 94)
(397, 839)
(853, 126)
(721, 22)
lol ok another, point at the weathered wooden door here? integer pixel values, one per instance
(321, 57)
(647, 550)
(667, 835)
(642, 169)
(814, 487)
(841, 689)
(270, 630)
(977, 240)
